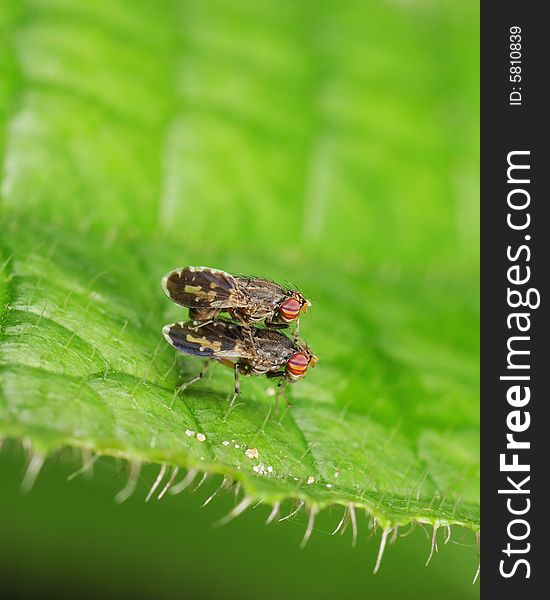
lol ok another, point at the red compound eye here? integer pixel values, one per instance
(297, 364)
(290, 309)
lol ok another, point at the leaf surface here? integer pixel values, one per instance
(136, 138)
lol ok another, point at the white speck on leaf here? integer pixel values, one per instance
(310, 480)
(252, 453)
(260, 469)
(237, 446)
(329, 485)
(225, 443)
(189, 433)
(201, 437)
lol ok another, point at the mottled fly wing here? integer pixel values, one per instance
(265, 292)
(270, 343)
(202, 287)
(218, 340)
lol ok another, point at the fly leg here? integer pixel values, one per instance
(185, 385)
(237, 385)
(202, 317)
(241, 318)
(297, 330)
(201, 324)
(250, 336)
(280, 388)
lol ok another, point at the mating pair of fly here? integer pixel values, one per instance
(252, 343)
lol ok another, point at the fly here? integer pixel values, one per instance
(247, 351)
(249, 300)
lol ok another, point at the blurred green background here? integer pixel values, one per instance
(346, 132)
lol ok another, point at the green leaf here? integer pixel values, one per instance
(139, 138)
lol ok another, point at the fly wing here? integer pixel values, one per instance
(265, 293)
(218, 339)
(273, 348)
(202, 287)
